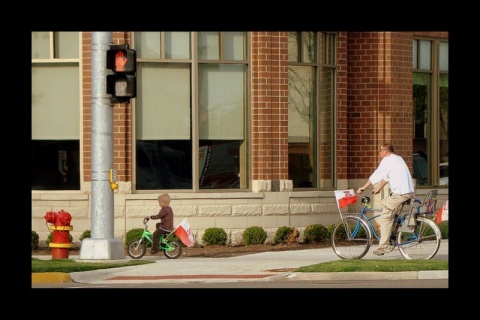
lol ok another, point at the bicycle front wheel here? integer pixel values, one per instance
(173, 250)
(351, 238)
(137, 248)
(422, 243)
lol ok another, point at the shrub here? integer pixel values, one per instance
(254, 235)
(133, 234)
(293, 236)
(341, 232)
(281, 235)
(85, 234)
(213, 236)
(35, 239)
(330, 230)
(174, 237)
(443, 226)
(315, 233)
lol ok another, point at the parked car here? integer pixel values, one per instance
(420, 171)
(444, 174)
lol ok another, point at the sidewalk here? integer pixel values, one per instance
(268, 266)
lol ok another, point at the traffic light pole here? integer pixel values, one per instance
(101, 245)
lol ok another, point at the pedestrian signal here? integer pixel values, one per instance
(122, 84)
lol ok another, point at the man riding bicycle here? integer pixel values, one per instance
(393, 170)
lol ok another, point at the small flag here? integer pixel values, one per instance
(184, 232)
(345, 197)
(442, 213)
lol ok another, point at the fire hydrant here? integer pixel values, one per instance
(61, 228)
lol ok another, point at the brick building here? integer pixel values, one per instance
(240, 128)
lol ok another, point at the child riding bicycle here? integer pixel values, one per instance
(166, 223)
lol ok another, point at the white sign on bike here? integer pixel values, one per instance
(345, 197)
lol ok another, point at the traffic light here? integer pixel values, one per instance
(122, 84)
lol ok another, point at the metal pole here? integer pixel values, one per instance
(101, 245)
(102, 140)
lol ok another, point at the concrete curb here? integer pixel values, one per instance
(435, 274)
(59, 277)
(51, 277)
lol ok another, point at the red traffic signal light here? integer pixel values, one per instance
(122, 84)
(121, 59)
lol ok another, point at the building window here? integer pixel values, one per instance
(191, 113)
(430, 103)
(55, 111)
(311, 98)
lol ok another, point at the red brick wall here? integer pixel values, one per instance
(341, 104)
(269, 101)
(429, 34)
(379, 98)
(374, 83)
(122, 126)
(122, 117)
(87, 105)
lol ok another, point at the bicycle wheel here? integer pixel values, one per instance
(422, 243)
(351, 238)
(173, 250)
(136, 249)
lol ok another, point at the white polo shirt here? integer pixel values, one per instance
(394, 170)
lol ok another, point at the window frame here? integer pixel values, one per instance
(323, 62)
(433, 135)
(73, 156)
(194, 62)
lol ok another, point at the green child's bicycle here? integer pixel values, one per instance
(137, 248)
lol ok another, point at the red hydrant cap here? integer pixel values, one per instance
(64, 218)
(51, 216)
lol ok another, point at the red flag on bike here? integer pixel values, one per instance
(345, 197)
(184, 232)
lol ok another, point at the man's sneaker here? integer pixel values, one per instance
(389, 248)
(381, 251)
(153, 251)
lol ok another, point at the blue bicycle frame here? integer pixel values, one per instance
(414, 233)
(399, 220)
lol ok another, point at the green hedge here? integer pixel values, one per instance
(254, 235)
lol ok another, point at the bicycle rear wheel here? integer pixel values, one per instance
(351, 238)
(422, 243)
(173, 250)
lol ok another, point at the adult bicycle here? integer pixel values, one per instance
(170, 247)
(352, 236)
